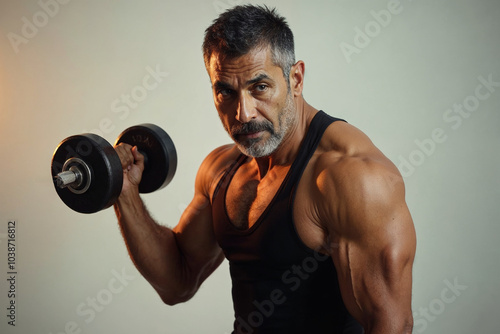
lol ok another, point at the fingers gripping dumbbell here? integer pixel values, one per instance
(87, 171)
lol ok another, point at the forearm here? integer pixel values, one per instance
(152, 248)
(390, 329)
(390, 323)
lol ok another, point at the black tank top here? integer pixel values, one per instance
(279, 284)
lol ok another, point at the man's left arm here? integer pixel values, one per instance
(373, 243)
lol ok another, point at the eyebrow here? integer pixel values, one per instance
(258, 78)
(224, 85)
(221, 85)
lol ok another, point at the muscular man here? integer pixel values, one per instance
(309, 213)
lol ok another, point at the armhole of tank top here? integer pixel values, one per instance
(293, 194)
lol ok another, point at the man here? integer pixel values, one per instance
(309, 213)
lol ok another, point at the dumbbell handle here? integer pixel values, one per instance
(69, 177)
(76, 177)
(63, 179)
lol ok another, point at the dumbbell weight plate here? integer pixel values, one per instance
(106, 174)
(159, 151)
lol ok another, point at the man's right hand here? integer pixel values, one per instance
(132, 164)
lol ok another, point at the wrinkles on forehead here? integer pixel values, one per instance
(220, 58)
(252, 66)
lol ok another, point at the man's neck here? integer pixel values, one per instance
(286, 153)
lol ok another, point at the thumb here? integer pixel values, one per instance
(138, 157)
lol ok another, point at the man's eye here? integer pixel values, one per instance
(224, 92)
(260, 88)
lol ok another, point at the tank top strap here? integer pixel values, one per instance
(228, 174)
(317, 128)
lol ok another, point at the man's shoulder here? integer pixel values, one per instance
(346, 176)
(215, 165)
(222, 155)
(350, 178)
(348, 160)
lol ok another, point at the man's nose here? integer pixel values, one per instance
(246, 109)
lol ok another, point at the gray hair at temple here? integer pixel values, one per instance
(243, 28)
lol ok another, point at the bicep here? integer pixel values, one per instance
(194, 233)
(375, 242)
(196, 239)
(375, 271)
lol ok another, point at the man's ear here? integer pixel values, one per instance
(297, 78)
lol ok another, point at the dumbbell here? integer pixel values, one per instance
(88, 174)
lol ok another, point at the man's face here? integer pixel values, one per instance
(254, 102)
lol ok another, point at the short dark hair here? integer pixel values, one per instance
(243, 28)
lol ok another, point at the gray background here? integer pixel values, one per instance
(407, 72)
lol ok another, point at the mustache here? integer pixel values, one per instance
(252, 127)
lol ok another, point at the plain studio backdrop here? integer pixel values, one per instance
(420, 77)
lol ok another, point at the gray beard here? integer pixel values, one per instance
(258, 148)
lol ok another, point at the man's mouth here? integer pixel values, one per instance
(251, 135)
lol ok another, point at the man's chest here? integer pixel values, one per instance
(248, 198)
